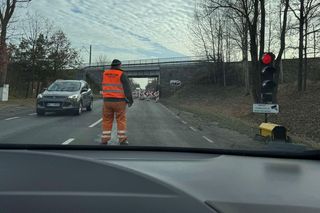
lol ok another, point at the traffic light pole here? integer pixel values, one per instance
(266, 117)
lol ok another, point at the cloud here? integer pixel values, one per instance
(126, 28)
(75, 10)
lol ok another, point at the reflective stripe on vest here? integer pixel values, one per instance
(111, 84)
(115, 91)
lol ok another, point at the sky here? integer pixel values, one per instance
(123, 29)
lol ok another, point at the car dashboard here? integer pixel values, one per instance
(152, 181)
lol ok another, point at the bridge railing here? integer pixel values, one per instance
(153, 61)
(163, 60)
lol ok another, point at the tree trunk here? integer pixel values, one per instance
(38, 88)
(246, 76)
(3, 53)
(3, 63)
(262, 28)
(278, 62)
(305, 67)
(214, 80)
(281, 72)
(32, 87)
(245, 60)
(314, 43)
(219, 55)
(27, 90)
(7, 10)
(224, 74)
(254, 71)
(270, 29)
(301, 24)
(281, 64)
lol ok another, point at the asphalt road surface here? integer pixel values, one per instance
(149, 124)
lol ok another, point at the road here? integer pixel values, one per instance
(149, 124)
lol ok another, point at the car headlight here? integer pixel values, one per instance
(74, 97)
(40, 96)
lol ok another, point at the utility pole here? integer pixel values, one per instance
(90, 53)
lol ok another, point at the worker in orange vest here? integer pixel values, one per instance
(117, 95)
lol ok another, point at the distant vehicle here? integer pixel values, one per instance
(65, 96)
(175, 83)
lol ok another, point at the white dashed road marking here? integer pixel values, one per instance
(193, 129)
(207, 139)
(95, 123)
(32, 114)
(9, 119)
(184, 122)
(68, 141)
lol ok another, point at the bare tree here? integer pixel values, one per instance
(33, 27)
(103, 60)
(7, 8)
(307, 13)
(249, 10)
(312, 22)
(205, 38)
(254, 13)
(283, 31)
(239, 34)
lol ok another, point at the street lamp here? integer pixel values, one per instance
(88, 51)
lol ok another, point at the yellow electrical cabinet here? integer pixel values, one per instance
(273, 131)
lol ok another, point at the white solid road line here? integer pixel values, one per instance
(8, 119)
(166, 108)
(68, 141)
(95, 123)
(193, 129)
(32, 114)
(207, 139)
(184, 122)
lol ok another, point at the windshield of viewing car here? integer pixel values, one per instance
(212, 74)
(65, 86)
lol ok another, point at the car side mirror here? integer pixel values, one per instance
(44, 89)
(84, 90)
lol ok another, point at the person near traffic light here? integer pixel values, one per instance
(117, 95)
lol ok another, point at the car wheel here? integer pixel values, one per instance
(79, 110)
(40, 112)
(89, 108)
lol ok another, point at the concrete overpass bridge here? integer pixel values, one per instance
(164, 69)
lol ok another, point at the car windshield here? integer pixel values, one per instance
(210, 74)
(65, 86)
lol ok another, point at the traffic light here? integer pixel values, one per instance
(267, 77)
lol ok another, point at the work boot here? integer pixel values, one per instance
(105, 141)
(124, 143)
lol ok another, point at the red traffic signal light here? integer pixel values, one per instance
(267, 58)
(267, 77)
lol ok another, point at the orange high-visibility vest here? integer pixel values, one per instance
(111, 84)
